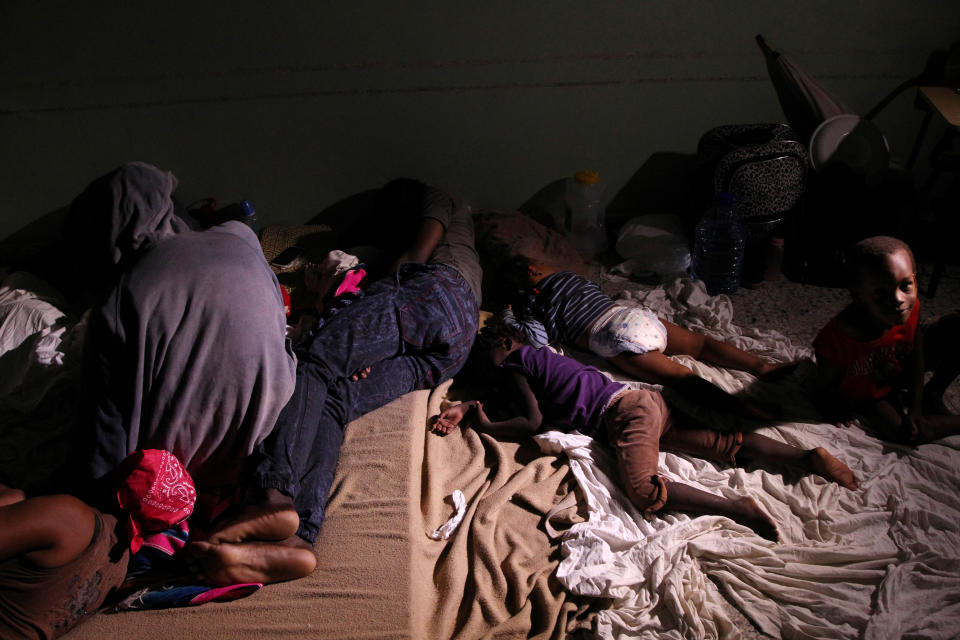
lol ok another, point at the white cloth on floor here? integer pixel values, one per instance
(880, 562)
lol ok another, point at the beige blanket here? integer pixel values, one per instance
(361, 588)
(495, 576)
(380, 575)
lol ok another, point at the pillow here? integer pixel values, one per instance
(501, 235)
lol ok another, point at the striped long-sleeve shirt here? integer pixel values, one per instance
(567, 304)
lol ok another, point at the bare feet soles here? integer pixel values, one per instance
(747, 512)
(270, 522)
(257, 544)
(226, 563)
(824, 464)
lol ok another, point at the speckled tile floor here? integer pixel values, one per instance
(799, 311)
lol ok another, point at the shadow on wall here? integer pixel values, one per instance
(661, 185)
(40, 248)
(837, 209)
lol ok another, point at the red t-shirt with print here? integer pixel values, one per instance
(870, 369)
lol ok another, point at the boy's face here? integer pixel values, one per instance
(888, 294)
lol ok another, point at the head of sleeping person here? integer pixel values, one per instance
(494, 342)
(118, 216)
(882, 278)
(514, 281)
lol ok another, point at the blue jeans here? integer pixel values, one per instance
(414, 330)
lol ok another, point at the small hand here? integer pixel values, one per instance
(360, 374)
(450, 418)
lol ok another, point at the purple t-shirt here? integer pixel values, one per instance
(571, 395)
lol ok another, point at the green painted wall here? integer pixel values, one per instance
(296, 105)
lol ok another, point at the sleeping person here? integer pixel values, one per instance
(559, 392)
(561, 307)
(411, 329)
(186, 346)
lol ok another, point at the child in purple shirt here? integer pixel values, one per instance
(558, 391)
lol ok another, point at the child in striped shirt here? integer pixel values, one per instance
(566, 308)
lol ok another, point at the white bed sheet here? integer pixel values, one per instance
(880, 562)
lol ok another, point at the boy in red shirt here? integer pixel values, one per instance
(872, 356)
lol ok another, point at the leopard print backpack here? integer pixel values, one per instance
(763, 165)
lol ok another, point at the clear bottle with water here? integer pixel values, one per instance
(586, 214)
(719, 241)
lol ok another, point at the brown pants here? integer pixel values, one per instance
(639, 424)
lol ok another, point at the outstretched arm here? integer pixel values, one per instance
(49, 531)
(429, 233)
(527, 423)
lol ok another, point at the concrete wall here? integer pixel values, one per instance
(296, 105)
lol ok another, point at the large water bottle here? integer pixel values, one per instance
(242, 211)
(586, 215)
(719, 240)
(249, 216)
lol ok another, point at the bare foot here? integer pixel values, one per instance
(776, 371)
(266, 562)
(824, 464)
(266, 521)
(748, 513)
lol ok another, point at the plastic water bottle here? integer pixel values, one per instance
(719, 241)
(242, 211)
(586, 218)
(249, 216)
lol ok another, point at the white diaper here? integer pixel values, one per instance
(632, 329)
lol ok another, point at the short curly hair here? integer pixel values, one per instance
(868, 256)
(492, 330)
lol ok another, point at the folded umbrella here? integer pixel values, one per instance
(803, 99)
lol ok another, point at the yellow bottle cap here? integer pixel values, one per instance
(586, 176)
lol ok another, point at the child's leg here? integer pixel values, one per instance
(726, 447)
(888, 421)
(941, 341)
(681, 341)
(48, 531)
(636, 424)
(817, 460)
(683, 497)
(933, 427)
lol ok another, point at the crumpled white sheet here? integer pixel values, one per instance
(39, 344)
(881, 562)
